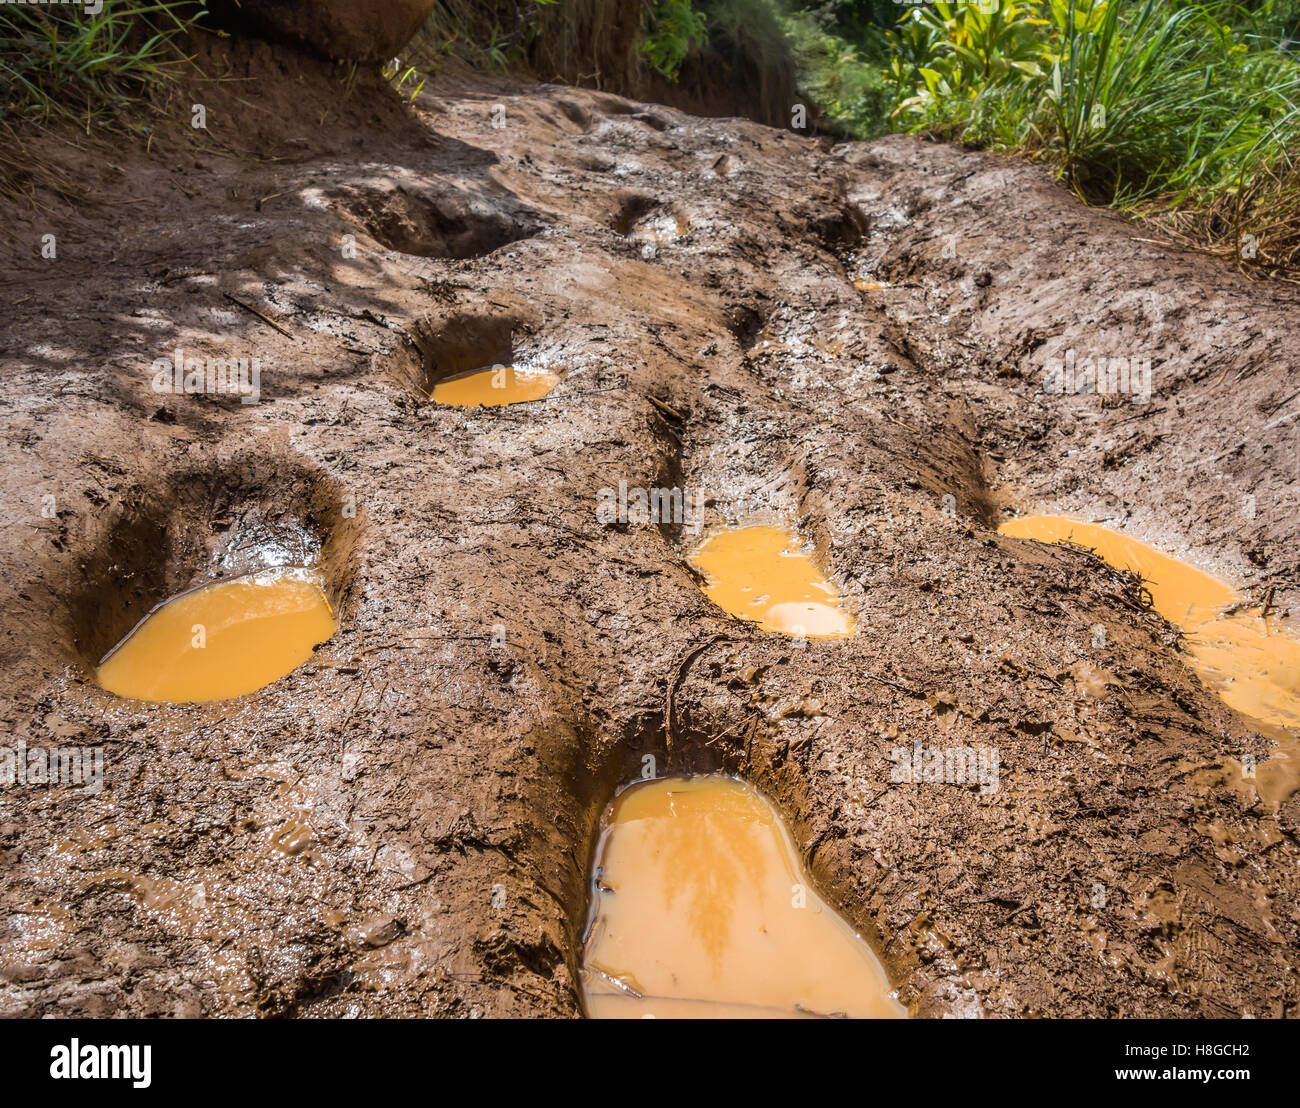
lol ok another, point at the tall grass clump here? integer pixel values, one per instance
(1159, 107)
(62, 61)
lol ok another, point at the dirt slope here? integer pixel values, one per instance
(402, 826)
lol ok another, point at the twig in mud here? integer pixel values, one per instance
(265, 319)
(892, 684)
(821, 836)
(482, 978)
(728, 731)
(1142, 413)
(804, 740)
(1282, 403)
(666, 409)
(167, 276)
(412, 884)
(673, 685)
(871, 800)
(343, 731)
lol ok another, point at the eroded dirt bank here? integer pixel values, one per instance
(402, 827)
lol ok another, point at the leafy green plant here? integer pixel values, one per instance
(674, 28)
(1135, 99)
(848, 82)
(957, 50)
(1145, 98)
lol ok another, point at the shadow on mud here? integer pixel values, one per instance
(434, 219)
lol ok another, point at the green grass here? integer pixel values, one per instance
(63, 61)
(1163, 109)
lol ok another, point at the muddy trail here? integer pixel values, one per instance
(846, 340)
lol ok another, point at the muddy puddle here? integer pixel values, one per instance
(222, 640)
(701, 909)
(643, 220)
(495, 387)
(1246, 657)
(660, 229)
(763, 574)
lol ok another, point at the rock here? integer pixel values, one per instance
(353, 30)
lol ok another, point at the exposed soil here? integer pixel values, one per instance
(403, 826)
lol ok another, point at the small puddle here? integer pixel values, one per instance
(644, 220)
(761, 574)
(660, 229)
(1251, 663)
(222, 640)
(495, 387)
(701, 909)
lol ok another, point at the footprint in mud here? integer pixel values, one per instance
(760, 574)
(1251, 663)
(474, 361)
(649, 223)
(222, 640)
(701, 909)
(434, 221)
(215, 580)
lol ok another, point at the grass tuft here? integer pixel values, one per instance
(63, 61)
(1163, 109)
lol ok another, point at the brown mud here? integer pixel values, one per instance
(404, 825)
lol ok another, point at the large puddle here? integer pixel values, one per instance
(495, 387)
(1239, 652)
(701, 909)
(761, 574)
(222, 640)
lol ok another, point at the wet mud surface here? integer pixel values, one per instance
(404, 825)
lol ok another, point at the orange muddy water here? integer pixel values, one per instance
(1250, 661)
(761, 574)
(702, 910)
(495, 387)
(222, 640)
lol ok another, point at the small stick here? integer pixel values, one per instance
(682, 667)
(265, 319)
(666, 409)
